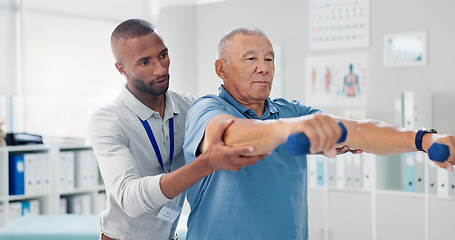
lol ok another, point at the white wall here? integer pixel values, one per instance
(7, 47)
(177, 25)
(65, 68)
(286, 23)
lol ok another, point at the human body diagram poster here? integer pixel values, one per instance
(336, 80)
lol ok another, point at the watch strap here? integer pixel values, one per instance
(419, 137)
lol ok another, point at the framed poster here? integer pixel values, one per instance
(405, 49)
(336, 80)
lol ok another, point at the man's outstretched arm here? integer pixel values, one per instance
(323, 132)
(264, 136)
(217, 156)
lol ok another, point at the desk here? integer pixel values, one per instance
(53, 227)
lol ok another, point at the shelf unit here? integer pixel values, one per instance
(49, 201)
(384, 211)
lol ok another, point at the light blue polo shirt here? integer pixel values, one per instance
(267, 200)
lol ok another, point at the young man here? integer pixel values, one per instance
(138, 140)
(268, 200)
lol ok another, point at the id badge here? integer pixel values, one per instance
(169, 213)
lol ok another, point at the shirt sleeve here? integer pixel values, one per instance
(199, 115)
(303, 110)
(188, 97)
(134, 193)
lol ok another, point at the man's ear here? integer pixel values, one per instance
(120, 68)
(220, 66)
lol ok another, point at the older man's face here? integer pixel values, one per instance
(250, 68)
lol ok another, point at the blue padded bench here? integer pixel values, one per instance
(52, 227)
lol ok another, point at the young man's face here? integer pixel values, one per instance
(250, 68)
(145, 63)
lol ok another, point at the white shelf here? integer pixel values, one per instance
(50, 200)
(400, 193)
(26, 197)
(382, 211)
(348, 190)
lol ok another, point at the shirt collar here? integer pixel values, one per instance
(144, 112)
(269, 107)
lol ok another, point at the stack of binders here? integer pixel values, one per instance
(22, 208)
(440, 182)
(344, 171)
(315, 165)
(66, 171)
(29, 174)
(85, 169)
(80, 204)
(77, 170)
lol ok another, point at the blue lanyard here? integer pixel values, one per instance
(155, 145)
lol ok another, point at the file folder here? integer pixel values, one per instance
(312, 169)
(320, 170)
(63, 203)
(85, 169)
(71, 172)
(367, 159)
(340, 171)
(419, 181)
(432, 178)
(45, 172)
(25, 208)
(451, 184)
(75, 204)
(80, 204)
(443, 182)
(16, 174)
(34, 207)
(15, 210)
(33, 184)
(409, 172)
(331, 172)
(349, 170)
(357, 171)
(66, 171)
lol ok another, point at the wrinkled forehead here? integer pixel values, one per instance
(251, 43)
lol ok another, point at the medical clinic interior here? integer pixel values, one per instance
(387, 60)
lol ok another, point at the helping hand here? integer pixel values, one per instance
(222, 157)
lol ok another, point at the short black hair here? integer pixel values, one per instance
(132, 28)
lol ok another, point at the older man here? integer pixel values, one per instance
(268, 200)
(138, 141)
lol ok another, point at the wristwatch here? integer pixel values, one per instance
(419, 137)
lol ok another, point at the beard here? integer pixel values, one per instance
(151, 87)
